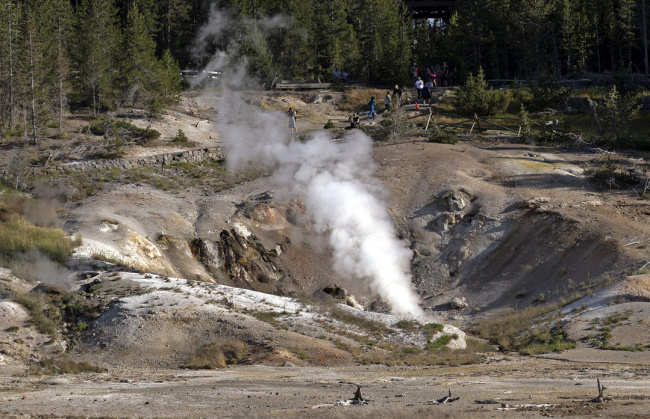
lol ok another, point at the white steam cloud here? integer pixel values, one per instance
(335, 179)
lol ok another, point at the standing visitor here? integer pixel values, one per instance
(397, 92)
(371, 105)
(445, 74)
(426, 94)
(387, 101)
(292, 121)
(419, 85)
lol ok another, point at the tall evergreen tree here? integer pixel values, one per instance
(33, 80)
(93, 53)
(333, 37)
(139, 68)
(384, 38)
(56, 19)
(9, 42)
(174, 20)
(292, 44)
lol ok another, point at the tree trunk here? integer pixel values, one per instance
(645, 36)
(32, 86)
(60, 71)
(11, 76)
(557, 68)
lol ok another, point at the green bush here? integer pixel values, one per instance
(476, 97)
(544, 340)
(431, 329)
(546, 93)
(607, 175)
(614, 114)
(180, 137)
(124, 130)
(441, 342)
(443, 136)
(329, 124)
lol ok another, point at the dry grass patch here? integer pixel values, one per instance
(65, 365)
(216, 355)
(43, 316)
(371, 326)
(18, 236)
(355, 100)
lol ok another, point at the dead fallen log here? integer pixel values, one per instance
(446, 399)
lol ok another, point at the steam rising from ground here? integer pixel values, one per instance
(35, 266)
(342, 197)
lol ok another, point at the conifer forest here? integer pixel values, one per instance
(102, 54)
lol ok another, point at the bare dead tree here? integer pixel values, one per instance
(601, 397)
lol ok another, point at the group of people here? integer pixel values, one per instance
(438, 76)
(343, 75)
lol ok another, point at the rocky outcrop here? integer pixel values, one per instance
(245, 260)
(188, 156)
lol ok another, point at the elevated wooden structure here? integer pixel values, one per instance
(431, 9)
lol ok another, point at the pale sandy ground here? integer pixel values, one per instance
(519, 387)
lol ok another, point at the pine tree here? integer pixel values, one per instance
(384, 38)
(93, 53)
(334, 38)
(33, 80)
(55, 18)
(577, 33)
(9, 42)
(139, 68)
(169, 77)
(174, 23)
(292, 45)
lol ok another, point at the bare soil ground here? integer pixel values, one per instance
(506, 386)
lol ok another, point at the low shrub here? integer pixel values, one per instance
(443, 136)
(510, 331)
(180, 137)
(217, 355)
(441, 342)
(431, 329)
(43, 316)
(361, 322)
(124, 130)
(66, 365)
(544, 340)
(611, 177)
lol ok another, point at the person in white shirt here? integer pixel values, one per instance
(419, 85)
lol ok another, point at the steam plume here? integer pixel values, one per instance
(342, 196)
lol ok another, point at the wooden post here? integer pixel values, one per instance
(428, 120)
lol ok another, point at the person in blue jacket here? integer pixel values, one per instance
(371, 105)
